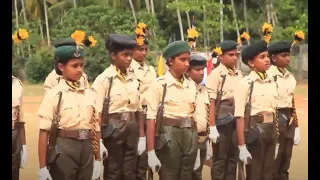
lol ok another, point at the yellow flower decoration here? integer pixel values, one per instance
(142, 25)
(192, 33)
(139, 31)
(93, 42)
(243, 37)
(267, 38)
(266, 29)
(298, 36)
(20, 35)
(217, 51)
(140, 40)
(78, 36)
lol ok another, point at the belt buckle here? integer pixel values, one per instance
(185, 124)
(125, 116)
(268, 117)
(82, 134)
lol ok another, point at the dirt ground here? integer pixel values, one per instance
(299, 163)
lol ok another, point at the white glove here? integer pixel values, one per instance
(209, 150)
(244, 154)
(44, 174)
(142, 145)
(276, 151)
(214, 135)
(23, 156)
(197, 162)
(153, 161)
(96, 170)
(296, 138)
(103, 150)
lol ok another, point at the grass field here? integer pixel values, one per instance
(33, 96)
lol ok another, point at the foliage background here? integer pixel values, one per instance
(102, 17)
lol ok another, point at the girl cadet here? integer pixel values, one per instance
(53, 78)
(255, 110)
(67, 114)
(175, 130)
(146, 75)
(19, 147)
(121, 112)
(289, 131)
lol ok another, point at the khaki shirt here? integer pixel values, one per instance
(201, 113)
(286, 86)
(264, 95)
(17, 100)
(146, 75)
(124, 97)
(76, 108)
(179, 101)
(53, 79)
(214, 81)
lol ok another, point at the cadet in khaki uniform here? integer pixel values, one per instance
(123, 116)
(221, 83)
(289, 133)
(146, 75)
(19, 147)
(260, 91)
(53, 79)
(177, 129)
(78, 128)
(201, 115)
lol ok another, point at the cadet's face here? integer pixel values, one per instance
(180, 63)
(140, 53)
(196, 73)
(261, 62)
(73, 70)
(281, 60)
(122, 59)
(229, 58)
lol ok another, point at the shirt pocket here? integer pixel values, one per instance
(69, 115)
(264, 100)
(86, 116)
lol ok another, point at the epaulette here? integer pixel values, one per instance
(16, 79)
(247, 79)
(160, 78)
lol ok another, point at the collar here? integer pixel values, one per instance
(172, 80)
(259, 76)
(71, 86)
(112, 71)
(280, 71)
(138, 65)
(227, 70)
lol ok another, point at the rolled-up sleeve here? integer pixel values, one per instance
(99, 89)
(153, 99)
(45, 112)
(240, 97)
(212, 84)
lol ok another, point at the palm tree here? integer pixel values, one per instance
(147, 5)
(245, 17)
(235, 18)
(221, 20)
(180, 23)
(46, 19)
(152, 6)
(133, 12)
(26, 22)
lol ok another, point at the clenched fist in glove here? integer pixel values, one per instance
(214, 134)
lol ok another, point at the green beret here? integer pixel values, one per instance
(64, 53)
(197, 60)
(279, 47)
(117, 42)
(228, 45)
(175, 48)
(250, 51)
